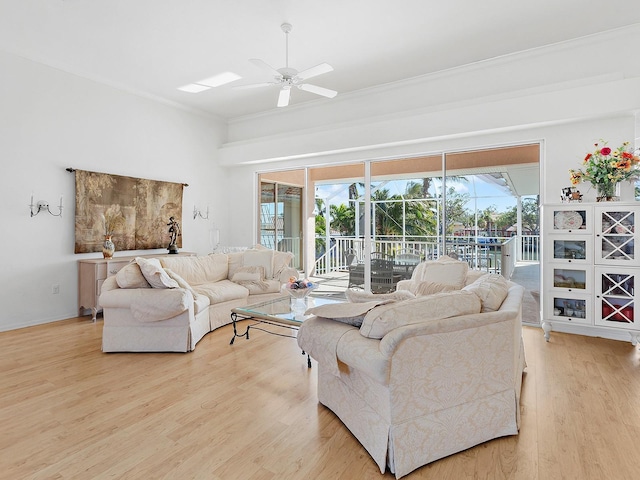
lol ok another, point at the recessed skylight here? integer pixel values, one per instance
(193, 88)
(207, 83)
(220, 79)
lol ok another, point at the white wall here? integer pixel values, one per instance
(50, 120)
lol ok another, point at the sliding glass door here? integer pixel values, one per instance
(467, 204)
(281, 218)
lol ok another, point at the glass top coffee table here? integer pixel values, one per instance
(283, 312)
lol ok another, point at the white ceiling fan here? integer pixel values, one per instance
(286, 78)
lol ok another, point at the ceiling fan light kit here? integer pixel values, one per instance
(286, 78)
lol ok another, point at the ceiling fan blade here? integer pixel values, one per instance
(265, 66)
(253, 85)
(283, 98)
(315, 71)
(325, 92)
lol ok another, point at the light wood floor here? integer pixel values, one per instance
(250, 411)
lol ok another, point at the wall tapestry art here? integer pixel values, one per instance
(134, 211)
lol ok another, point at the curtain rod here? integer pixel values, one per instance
(71, 170)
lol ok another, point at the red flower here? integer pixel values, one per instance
(587, 157)
(605, 151)
(627, 155)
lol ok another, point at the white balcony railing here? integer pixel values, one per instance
(484, 253)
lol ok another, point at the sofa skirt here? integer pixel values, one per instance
(408, 445)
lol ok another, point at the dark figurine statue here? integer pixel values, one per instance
(174, 233)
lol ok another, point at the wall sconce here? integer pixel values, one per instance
(198, 213)
(43, 205)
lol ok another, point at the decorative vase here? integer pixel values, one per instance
(606, 192)
(108, 247)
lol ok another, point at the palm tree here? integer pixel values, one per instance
(342, 219)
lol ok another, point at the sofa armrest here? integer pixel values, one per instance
(149, 304)
(510, 310)
(391, 341)
(406, 285)
(109, 283)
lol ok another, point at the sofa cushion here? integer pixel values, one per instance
(473, 275)
(349, 313)
(358, 296)
(130, 276)
(492, 289)
(281, 262)
(200, 303)
(259, 258)
(381, 320)
(182, 283)
(222, 291)
(155, 274)
(445, 270)
(235, 262)
(260, 288)
(429, 288)
(198, 270)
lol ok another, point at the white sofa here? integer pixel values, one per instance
(425, 377)
(169, 304)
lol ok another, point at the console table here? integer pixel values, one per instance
(92, 272)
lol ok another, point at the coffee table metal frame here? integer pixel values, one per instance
(278, 313)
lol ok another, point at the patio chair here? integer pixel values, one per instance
(383, 276)
(350, 257)
(405, 262)
(355, 268)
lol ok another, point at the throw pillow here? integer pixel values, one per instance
(358, 296)
(492, 289)
(155, 274)
(380, 321)
(251, 278)
(248, 274)
(259, 258)
(130, 276)
(349, 313)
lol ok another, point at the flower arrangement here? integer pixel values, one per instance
(112, 219)
(604, 168)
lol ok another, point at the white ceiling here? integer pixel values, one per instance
(151, 47)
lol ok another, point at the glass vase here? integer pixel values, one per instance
(606, 192)
(108, 247)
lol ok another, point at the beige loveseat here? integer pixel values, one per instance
(169, 304)
(422, 377)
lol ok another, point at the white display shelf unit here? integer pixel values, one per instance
(590, 265)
